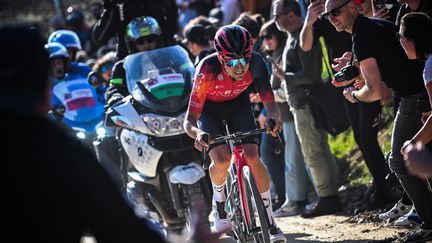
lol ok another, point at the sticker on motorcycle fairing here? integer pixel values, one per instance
(79, 98)
(167, 85)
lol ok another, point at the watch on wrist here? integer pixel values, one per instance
(354, 97)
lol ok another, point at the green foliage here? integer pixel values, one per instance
(343, 144)
(344, 148)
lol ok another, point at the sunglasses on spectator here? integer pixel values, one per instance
(267, 37)
(232, 63)
(147, 39)
(335, 12)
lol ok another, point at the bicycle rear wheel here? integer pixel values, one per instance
(255, 211)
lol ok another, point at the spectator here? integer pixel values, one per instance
(62, 190)
(409, 6)
(384, 61)
(216, 17)
(104, 65)
(190, 9)
(364, 118)
(231, 10)
(289, 173)
(273, 40)
(96, 9)
(415, 33)
(250, 23)
(198, 42)
(75, 21)
(302, 70)
(257, 6)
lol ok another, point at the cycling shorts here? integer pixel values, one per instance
(237, 113)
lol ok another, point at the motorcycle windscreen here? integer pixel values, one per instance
(160, 79)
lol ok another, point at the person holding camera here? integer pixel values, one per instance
(118, 13)
(363, 117)
(382, 59)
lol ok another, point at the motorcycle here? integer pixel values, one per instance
(160, 165)
(79, 107)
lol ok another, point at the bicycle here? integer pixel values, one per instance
(244, 205)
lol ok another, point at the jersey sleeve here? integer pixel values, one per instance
(199, 91)
(260, 77)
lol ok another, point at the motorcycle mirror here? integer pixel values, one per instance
(95, 79)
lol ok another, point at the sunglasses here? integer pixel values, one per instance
(143, 40)
(232, 63)
(335, 12)
(267, 37)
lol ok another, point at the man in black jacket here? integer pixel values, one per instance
(118, 13)
(54, 188)
(382, 60)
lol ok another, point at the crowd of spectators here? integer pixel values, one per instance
(309, 46)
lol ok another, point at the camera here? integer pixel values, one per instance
(346, 73)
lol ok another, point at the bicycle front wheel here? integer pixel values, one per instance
(255, 211)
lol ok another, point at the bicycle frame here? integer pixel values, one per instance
(242, 182)
(240, 163)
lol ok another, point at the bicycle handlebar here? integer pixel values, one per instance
(238, 136)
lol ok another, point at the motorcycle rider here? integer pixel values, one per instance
(83, 103)
(142, 34)
(70, 40)
(117, 15)
(58, 56)
(220, 82)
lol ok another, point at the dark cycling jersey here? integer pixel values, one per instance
(212, 83)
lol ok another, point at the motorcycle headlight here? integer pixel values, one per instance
(162, 125)
(101, 132)
(81, 135)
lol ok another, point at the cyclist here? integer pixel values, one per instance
(220, 82)
(142, 34)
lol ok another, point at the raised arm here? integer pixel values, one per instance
(306, 35)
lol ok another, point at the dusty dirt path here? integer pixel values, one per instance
(334, 228)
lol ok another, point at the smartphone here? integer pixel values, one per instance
(379, 4)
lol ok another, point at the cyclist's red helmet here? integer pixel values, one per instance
(233, 42)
